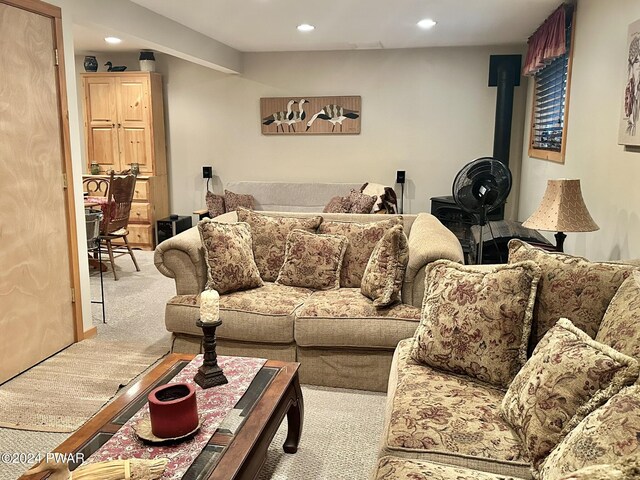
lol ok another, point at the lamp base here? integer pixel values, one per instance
(560, 236)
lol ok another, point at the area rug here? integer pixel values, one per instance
(62, 393)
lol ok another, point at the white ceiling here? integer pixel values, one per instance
(270, 25)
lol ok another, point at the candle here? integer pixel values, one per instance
(209, 306)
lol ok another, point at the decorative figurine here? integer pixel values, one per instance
(112, 68)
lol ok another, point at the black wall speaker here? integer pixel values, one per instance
(400, 174)
(207, 172)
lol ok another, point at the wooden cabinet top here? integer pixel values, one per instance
(121, 74)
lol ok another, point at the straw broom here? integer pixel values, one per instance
(133, 469)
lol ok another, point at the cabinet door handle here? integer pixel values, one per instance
(113, 124)
(119, 125)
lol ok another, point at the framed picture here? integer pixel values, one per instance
(310, 115)
(629, 132)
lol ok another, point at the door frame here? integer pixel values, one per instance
(55, 13)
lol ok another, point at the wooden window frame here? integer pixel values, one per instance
(542, 154)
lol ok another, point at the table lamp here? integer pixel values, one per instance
(562, 210)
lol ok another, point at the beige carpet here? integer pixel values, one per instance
(60, 394)
(339, 441)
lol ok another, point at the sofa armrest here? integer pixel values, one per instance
(429, 240)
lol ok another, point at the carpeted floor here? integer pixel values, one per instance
(341, 429)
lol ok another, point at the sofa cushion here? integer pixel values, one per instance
(395, 468)
(570, 287)
(607, 435)
(361, 203)
(234, 200)
(363, 238)
(346, 318)
(568, 376)
(228, 256)
(338, 204)
(383, 277)
(262, 315)
(439, 416)
(475, 321)
(215, 204)
(312, 260)
(269, 234)
(620, 327)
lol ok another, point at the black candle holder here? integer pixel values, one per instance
(209, 374)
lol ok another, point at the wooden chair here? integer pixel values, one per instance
(116, 212)
(96, 187)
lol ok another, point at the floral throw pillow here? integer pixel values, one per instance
(269, 234)
(620, 327)
(607, 435)
(624, 469)
(215, 204)
(229, 257)
(312, 260)
(361, 203)
(476, 322)
(570, 287)
(568, 376)
(338, 205)
(383, 277)
(234, 200)
(363, 238)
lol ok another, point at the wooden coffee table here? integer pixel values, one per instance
(238, 449)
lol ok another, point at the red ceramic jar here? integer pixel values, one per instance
(173, 410)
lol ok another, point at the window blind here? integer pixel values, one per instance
(550, 95)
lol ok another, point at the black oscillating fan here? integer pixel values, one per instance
(480, 187)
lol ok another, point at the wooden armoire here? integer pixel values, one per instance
(124, 124)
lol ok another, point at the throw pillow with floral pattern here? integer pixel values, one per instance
(383, 277)
(477, 322)
(607, 435)
(269, 234)
(229, 256)
(312, 260)
(568, 377)
(570, 287)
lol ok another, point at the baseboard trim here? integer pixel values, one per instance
(92, 332)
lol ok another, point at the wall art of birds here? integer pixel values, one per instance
(335, 114)
(117, 68)
(279, 118)
(297, 117)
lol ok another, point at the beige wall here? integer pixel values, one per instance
(609, 174)
(426, 111)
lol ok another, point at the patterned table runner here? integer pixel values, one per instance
(213, 405)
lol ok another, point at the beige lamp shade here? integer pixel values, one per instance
(562, 209)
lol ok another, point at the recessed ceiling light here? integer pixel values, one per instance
(426, 23)
(112, 40)
(305, 27)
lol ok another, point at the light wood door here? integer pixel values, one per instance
(36, 314)
(134, 122)
(102, 123)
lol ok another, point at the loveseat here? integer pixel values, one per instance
(446, 425)
(340, 338)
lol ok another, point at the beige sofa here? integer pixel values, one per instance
(339, 337)
(443, 426)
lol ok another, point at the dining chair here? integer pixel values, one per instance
(116, 212)
(95, 187)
